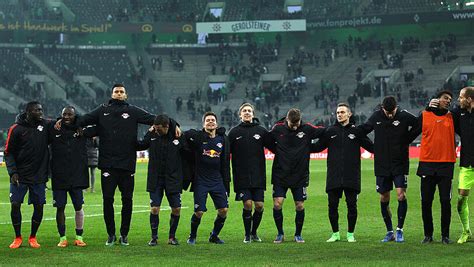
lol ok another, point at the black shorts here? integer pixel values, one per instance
(299, 193)
(174, 199)
(36, 196)
(60, 197)
(254, 194)
(385, 183)
(218, 194)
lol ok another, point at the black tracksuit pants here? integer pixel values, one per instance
(110, 179)
(333, 203)
(428, 188)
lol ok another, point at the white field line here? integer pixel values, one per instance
(95, 205)
(91, 215)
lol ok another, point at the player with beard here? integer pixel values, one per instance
(69, 172)
(291, 141)
(27, 158)
(392, 127)
(464, 126)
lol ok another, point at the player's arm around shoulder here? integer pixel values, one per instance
(364, 140)
(142, 116)
(323, 141)
(368, 126)
(90, 118)
(145, 142)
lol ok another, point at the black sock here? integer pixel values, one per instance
(154, 222)
(16, 219)
(195, 221)
(402, 212)
(61, 221)
(36, 219)
(299, 220)
(218, 224)
(351, 220)
(334, 219)
(387, 215)
(79, 232)
(174, 220)
(257, 218)
(278, 217)
(62, 230)
(247, 217)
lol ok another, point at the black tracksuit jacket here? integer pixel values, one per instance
(26, 151)
(343, 162)
(391, 141)
(292, 151)
(165, 160)
(248, 155)
(464, 126)
(117, 125)
(69, 157)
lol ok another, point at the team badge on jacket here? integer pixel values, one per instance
(40, 128)
(176, 142)
(351, 136)
(125, 115)
(396, 123)
(300, 134)
(256, 136)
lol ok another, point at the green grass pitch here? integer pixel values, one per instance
(367, 251)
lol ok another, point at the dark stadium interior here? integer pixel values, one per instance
(169, 73)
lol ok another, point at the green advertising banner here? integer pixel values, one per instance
(107, 27)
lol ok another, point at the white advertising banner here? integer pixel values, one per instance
(251, 26)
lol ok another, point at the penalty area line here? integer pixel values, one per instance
(91, 215)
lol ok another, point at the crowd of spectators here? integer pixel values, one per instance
(443, 50)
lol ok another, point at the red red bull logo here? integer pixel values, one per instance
(211, 153)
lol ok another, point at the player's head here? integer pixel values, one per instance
(466, 97)
(68, 115)
(444, 98)
(119, 92)
(343, 113)
(209, 121)
(34, 111)
(389, 106)
(161, 124)
(293, 118)
(246, 112)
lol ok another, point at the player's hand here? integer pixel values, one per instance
(178, 132)
(57, 125)
(80, 131)
(152, 129)
(434, 103)
(227, 188)
(220, 131)
(15, 179)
